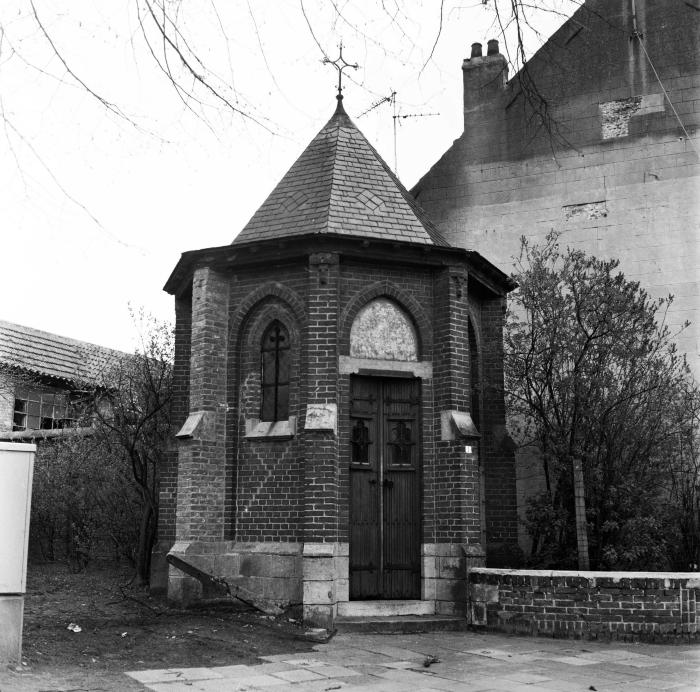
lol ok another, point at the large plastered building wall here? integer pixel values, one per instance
(615, 166)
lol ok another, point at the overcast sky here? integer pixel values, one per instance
(98, 202)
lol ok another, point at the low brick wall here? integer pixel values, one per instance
(646, 606)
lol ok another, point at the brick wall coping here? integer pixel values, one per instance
(615, 576)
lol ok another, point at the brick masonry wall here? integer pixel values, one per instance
(202, 481)
(498, 465)
(457, 487)
(590, 605)
(321, 468)
(294, 489)
(7, 402)
(167, 474)
(265, 497)
(618, 175)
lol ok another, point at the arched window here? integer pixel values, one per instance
(275, 373)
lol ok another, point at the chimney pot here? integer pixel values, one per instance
(476, 50)
(492, 47)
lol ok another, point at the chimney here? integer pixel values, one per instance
(484, 80)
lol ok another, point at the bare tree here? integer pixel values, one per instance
(595, 383)
(131, 416)
(181, 44)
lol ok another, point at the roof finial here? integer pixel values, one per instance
(340, 64)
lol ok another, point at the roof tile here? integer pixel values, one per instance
(340, 179)
(50, 355)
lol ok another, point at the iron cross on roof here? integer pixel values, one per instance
(340, 63)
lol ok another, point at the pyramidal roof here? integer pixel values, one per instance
(341, 186)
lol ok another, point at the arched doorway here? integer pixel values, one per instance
(385, 460)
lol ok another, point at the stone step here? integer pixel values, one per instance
(400, 624)
(388, 608)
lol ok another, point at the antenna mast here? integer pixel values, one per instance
(396, 116)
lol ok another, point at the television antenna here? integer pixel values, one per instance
(396, 118)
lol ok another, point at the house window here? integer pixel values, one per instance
(275, 373)
(35, 410)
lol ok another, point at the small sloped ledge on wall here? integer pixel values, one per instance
(627, 606)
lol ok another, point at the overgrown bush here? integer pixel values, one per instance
(595, 383)
(84, 505)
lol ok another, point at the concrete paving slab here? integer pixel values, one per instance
(468, 663)
(573, 661)
(156, 675)
(527, 678)
(195, 673)
(169, 687)
(337, 672)
(299, 675)
(231, 671)
(252, 682)
(408, 677)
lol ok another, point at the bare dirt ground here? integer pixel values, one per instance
(123, 628)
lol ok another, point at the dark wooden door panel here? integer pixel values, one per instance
(401, 495)
(384, 489)
(364, 536)
(365, 511)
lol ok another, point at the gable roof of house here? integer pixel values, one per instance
(44, 354)
(340, 185)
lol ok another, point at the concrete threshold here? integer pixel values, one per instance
(401, 624)
(393, 608)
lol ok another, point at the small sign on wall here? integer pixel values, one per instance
(322, 417)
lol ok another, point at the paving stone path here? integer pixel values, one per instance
(466, 662)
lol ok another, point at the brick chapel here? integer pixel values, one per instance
(340, 426)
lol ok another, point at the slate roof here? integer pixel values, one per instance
(340, 185)
(49, 355)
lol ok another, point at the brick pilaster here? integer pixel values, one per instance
(167, 472)
(456, 472)
(320, 442)
(497, 448)
(180, 409)
(202, 460)
(321, 445)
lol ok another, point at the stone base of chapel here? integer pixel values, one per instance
(314, 576)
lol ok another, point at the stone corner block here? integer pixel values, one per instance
(457, 425)
(319, 550)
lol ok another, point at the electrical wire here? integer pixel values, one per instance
(638, 36)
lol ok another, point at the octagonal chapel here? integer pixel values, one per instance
(339, 438)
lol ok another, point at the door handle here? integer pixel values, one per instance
(387, 483)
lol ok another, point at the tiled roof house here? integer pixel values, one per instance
(41, 376)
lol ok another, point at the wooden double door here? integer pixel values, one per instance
(385, 497)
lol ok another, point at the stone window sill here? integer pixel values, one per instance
(276, 431)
